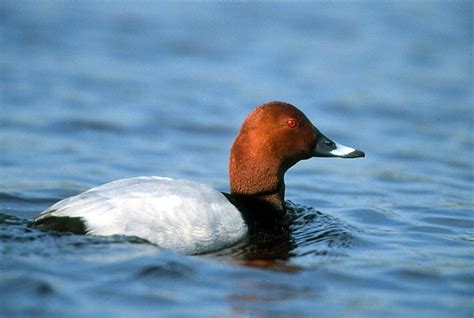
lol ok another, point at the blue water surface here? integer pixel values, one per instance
(93, 91)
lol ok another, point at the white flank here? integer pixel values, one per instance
(178, 215)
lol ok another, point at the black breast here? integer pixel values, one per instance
(260, 216)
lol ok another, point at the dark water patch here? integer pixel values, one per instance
(28, 285)
(458, 187)
(381, 110)
(467, 238)
(413, 191)
(442, 245)
(345, 191)
(119, 298)
(381, 217)
(412, 155)
(390, 176)
(316, 202)
(454, 210)
(199, 148)
(430, 229)
(22, 199)
(42, 297)
(371, 281)
(96, 125)
(204, 128)
(168, 270)
(417, 276)
(450, 222)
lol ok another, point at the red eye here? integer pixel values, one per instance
(292, 123)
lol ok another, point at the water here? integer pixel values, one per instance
(96, 91)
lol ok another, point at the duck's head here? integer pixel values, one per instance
(274, 137)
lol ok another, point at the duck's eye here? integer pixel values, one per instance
(292, 123)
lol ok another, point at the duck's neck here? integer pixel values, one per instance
(263, 180)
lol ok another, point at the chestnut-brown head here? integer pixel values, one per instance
(274, 137)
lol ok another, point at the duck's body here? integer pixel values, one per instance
(178, 215)
(192, 218)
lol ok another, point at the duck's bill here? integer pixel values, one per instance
(325, 147)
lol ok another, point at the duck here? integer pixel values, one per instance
(192, 218)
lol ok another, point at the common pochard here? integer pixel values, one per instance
(192, 218)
